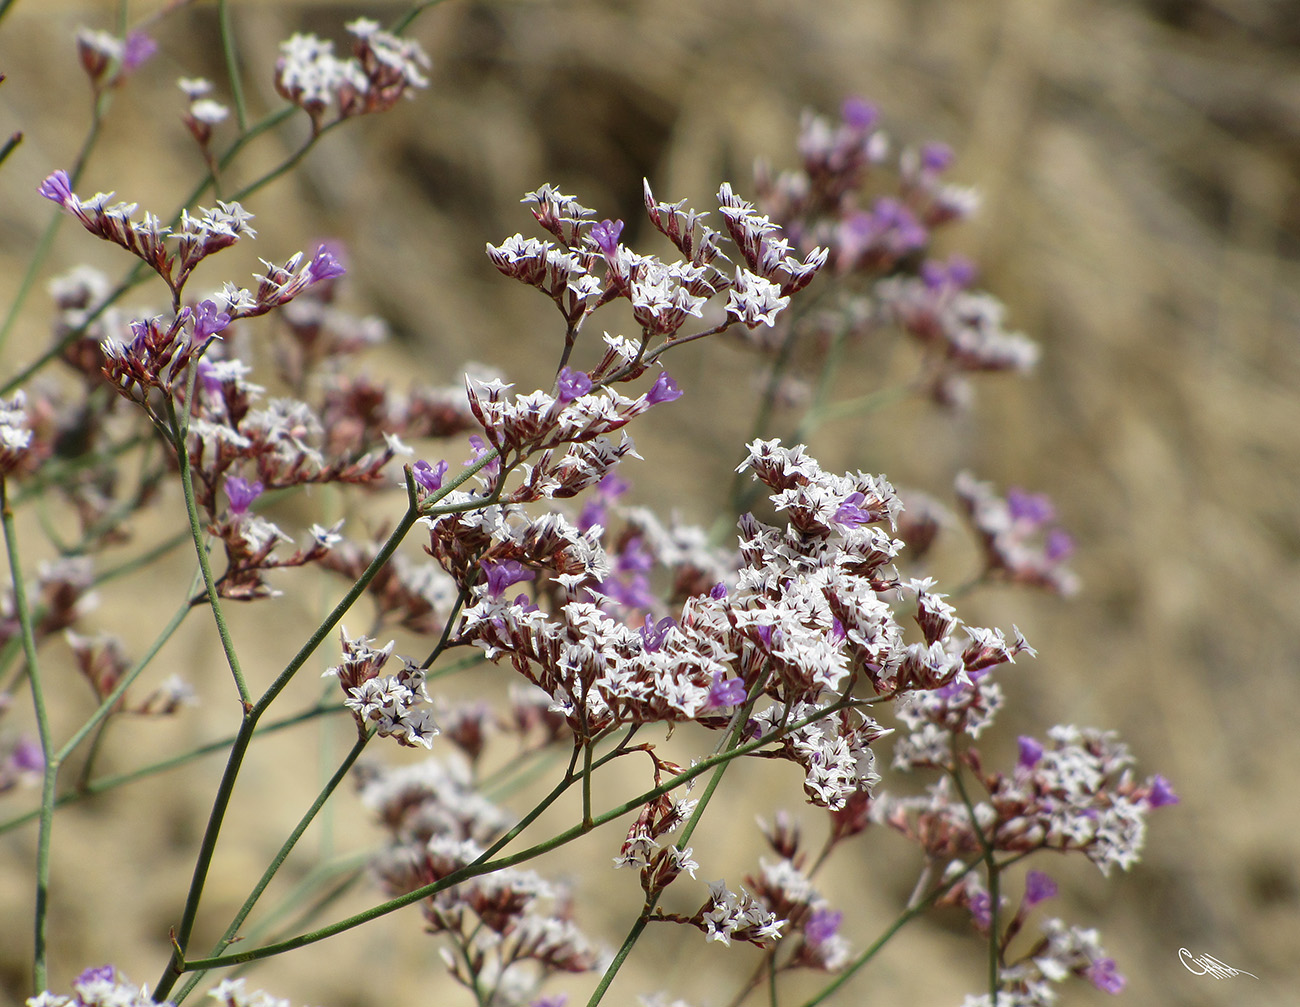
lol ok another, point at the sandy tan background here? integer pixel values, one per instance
(1140, 166)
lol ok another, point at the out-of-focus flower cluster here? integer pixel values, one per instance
(105, 986)
(509, 929)
(876, 223)
(382, 69)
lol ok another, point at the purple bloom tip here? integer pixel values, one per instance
(1104, 975)
(822, 925)
(429, 476)
(1161, 793)
(726, 691)
(57, 187)
(209, 320)
(606, 235)
(1038, 888)
(571, 384)
(324, 266)
(501, 575)
(1059, 546)
(102, 974)
(136, 50)
(27, 756)
(1030, 751)
(719, 591)
(663, 390)
(654, 633)
(1036, 508)
(858, 113)
(936, 157)
(241, 494)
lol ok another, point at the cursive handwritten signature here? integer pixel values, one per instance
(1208, 965)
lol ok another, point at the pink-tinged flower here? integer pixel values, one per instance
(1039, 887)
(429, 476)
(57, 188)
(241, 494)
(572, 384)
(503, 574)
(1105, 976)
(663, 390)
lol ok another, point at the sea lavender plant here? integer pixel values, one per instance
(806, 633)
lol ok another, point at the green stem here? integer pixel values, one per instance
(483, 866)
(201, 549)
(152, 769)
(903, 919)
(232, 65)
(232, 931)
(176, 966)
(51, 767)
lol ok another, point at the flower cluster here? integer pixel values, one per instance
(1020, 539)
(662, 295)
(439, 825)
(391, 704)
(383, 69)
(1078, 793)
(105, 986)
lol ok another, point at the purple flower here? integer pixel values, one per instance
(241, 494)
(858, 113)
(103, 974)
(209, 320)
(726, 691)
(850, 514)
(981, 909)
(1161, 793)
(1039, 887)
(429, 476)
(837, 630)
(765, 634)
(1030, 751)
(822, 925)
(605, 234)
(501, 575)
(663, 390)
(1035, 508)
(654, 633)
(324, 266)
(57, 188)
(481, 448)
(137, 48)
(719, 591)
(1059, 545)
(936, 157)
(27, 756)
(1104, 976)
(572, 384)
(592, 514)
